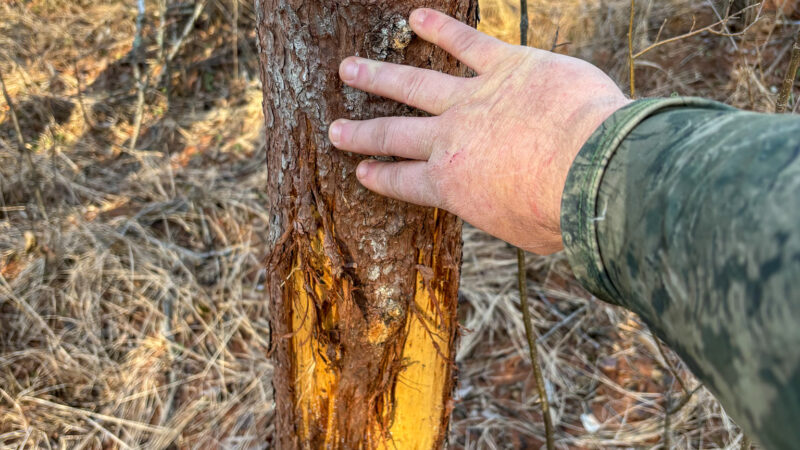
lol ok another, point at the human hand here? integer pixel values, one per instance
(497, 150)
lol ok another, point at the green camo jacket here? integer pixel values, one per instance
(687, 212)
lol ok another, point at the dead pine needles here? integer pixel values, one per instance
(24, 150)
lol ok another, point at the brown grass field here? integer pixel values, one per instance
(132, 310)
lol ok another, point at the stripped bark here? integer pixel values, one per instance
(363, 289)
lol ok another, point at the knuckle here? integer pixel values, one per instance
(413, 88)
(382, 138)
(466, 43)
(375, 75)
(438, 185)
(442, 29)
(424, 143)
(394, 181)
(351, 134)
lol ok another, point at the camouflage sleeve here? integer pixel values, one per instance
(687, 212)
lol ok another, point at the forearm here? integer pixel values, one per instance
(689, 216)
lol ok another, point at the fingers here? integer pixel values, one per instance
(469, 45)
(406, 137)
(427, 90)
(405, 180)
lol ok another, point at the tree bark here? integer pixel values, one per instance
(363, 289)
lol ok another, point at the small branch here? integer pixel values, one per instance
(631, 56)
(523, 284)
(198, 8)
(236, 40)
(176, 46)
(684, 401)
(523, 23)
(724, 25)
(141, 82)
(555, 39)
(162, 27)
(162, 51)
(788, 79)
(532, 347)
(693, 32)
(13, 112)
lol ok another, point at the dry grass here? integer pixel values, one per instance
(133, 315)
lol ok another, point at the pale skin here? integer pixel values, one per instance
(498, 146)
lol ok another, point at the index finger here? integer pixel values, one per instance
(475, 49)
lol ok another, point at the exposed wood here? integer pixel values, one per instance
(363, 289)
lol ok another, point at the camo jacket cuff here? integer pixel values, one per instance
(579, 211)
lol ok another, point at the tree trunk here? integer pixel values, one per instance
(363, 289)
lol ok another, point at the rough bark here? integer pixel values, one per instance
(363, 289)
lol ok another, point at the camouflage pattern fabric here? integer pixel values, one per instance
(687, 212)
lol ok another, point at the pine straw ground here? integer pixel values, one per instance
(131, 307)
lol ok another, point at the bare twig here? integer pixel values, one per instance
(523, 23)
(523, 286)
(692, 32)
(631, 56)
(166, 58)
(723, 23)
(198, 8)
(532, 347)
(141, 82)
(236, 40)
(788, 79)
(13, 112)
(162, 26)
(555, 40)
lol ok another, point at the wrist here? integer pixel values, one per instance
(590, 118)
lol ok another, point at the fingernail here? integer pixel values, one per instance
(349, 70)
(418, 16)
(362, 170)
(335, 132)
